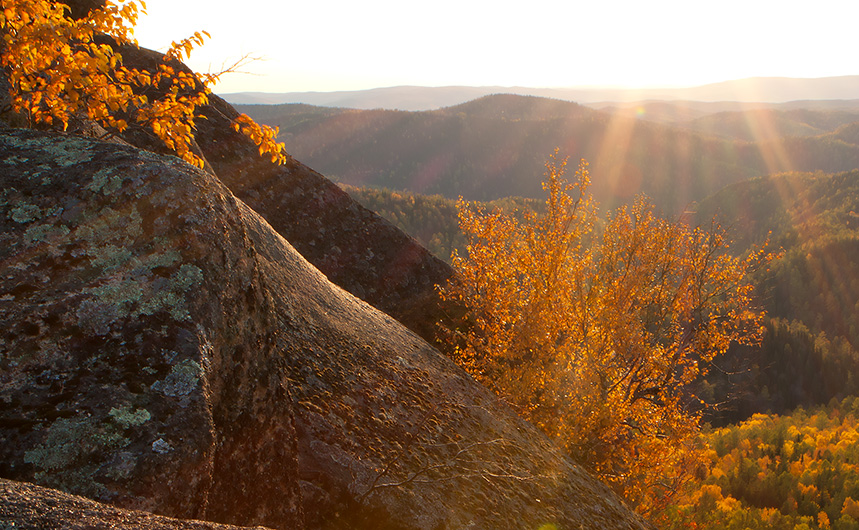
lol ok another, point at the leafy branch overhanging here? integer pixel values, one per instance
(61, 68)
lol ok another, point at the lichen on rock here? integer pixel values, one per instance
(72, 453)
(126, 418)
(173, 352)
(182, 379)
(128, 298)
(24, 213)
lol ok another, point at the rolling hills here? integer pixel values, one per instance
(694, 157)
(496, 146)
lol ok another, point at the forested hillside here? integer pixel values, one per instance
(814, 218)
(819, 114)
(496, 146)
(795, 472)
(809, 355)
(766, 124)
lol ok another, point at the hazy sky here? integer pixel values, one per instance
(325, 45)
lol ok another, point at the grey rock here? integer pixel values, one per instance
(138, 359)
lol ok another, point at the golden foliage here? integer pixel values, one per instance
(776, 472)
(60, 68)
(595, 335)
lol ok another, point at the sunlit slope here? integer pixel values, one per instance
(496, 146)
(799, 471)
(795, 209)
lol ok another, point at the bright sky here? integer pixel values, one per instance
(327, 45)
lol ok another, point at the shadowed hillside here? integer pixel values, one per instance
(431, 219)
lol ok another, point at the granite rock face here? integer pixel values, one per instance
(29, 507)
(392, 434)
(138, 352)
(163, 348)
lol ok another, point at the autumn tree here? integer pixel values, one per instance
(62, 68)
(595, 333)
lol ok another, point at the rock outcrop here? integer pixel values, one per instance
(139, 362)
(165, 349)
(29, 507)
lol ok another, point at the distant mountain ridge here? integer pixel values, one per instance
(751, 90)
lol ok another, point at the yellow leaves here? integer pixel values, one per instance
(55, 68)
(263, 136)
(183, 48)
(593, 336)
(797, 463)
(796, 468)
(787, 448)
(56, 71)
(851, 508)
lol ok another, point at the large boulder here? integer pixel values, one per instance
(139, 359)
(392, 434)
(26, 506)
(165, 349)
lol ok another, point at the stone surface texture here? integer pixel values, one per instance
(138, 352)
(354, 247)
(26, 506)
